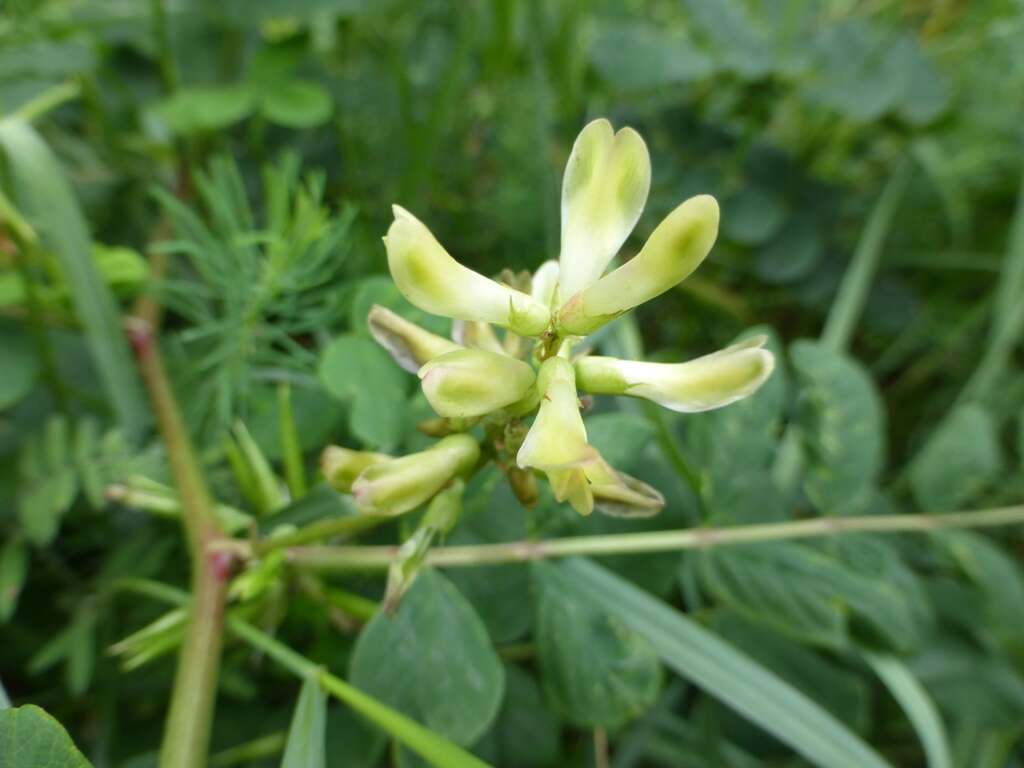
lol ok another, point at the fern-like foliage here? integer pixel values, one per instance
(254, 285)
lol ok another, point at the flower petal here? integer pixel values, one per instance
(557, 438)
(432, 280)
(708, 382)
(409, 345)
(604, 190)
(474, 382)
(545, 282)
(676, 247)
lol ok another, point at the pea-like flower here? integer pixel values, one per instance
(494, 381)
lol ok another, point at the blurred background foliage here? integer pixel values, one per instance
(253, 148)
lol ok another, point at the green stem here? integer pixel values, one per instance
(251, 751)
(187, 730)
(321, 529)
(370, 558)
(856, 284)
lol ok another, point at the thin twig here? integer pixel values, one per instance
(370, 558)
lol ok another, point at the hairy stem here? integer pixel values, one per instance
(187, 729)
(369, 558)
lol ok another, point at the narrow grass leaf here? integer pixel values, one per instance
(42, 193)
(306, 747)
(917, 705)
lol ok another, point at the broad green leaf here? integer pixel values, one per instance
(620, 436)
(735, 39)
(996, 601)
(306, 746)
(13, 570)
(718, 668)
(526, 732)
(792, 254)
(639, 56)
(595, 670)
(21, 365)
(836, 688)
(815, 594)
(917, 705)
(960, 458)
(970, 684)
(499, 593)
(752, 216)
(205, 107)
(842, 423)
(354, 368)
(39, 189)
(381, 289)
(296, 103)
(30, 738)
(432, 660)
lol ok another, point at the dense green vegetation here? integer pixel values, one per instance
(192, 197)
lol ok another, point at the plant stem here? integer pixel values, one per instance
(856, 284)
(291, 452)
(321, 529)
(187, 730)
(362, 558)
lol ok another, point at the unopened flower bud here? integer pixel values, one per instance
(476, 335)
(432, 280)
(473, 382)
(341, 466)
(409, 345)
(676, 247)
(708, 382)
(604, 190)
(402, 484)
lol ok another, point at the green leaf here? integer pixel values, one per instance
(842, 422)
(381, 289)
(792, 254)
(596, 671)
(960, 458)
(205, 108)
(526, 732)
(499, 593)
(30, 738)
(639, 56)
(736, 41)
(13, 570)
(296, 103)
(840, 690)
(917, 705)
(813, 594)
(752, 216)
(5, 702)
(433, 661)
(352, 742)
(48, 484)
(38, 187)
(81, 653)
(21, 366)
(996, 600)
(720, 669)
(306, 746)
(354, 368)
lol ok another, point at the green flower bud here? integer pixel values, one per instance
(604, 190)
(708, 382)
(432, 280)
(409, 345)
(402, 484)
(473, 382)
(676, 247)
(341, 466)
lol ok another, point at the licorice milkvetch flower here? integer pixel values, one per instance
(495, 380)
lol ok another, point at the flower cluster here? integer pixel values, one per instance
(496, 379)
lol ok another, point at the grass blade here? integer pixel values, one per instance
(917, 705)
(307, 747)
(41, 192)
(721, 670)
